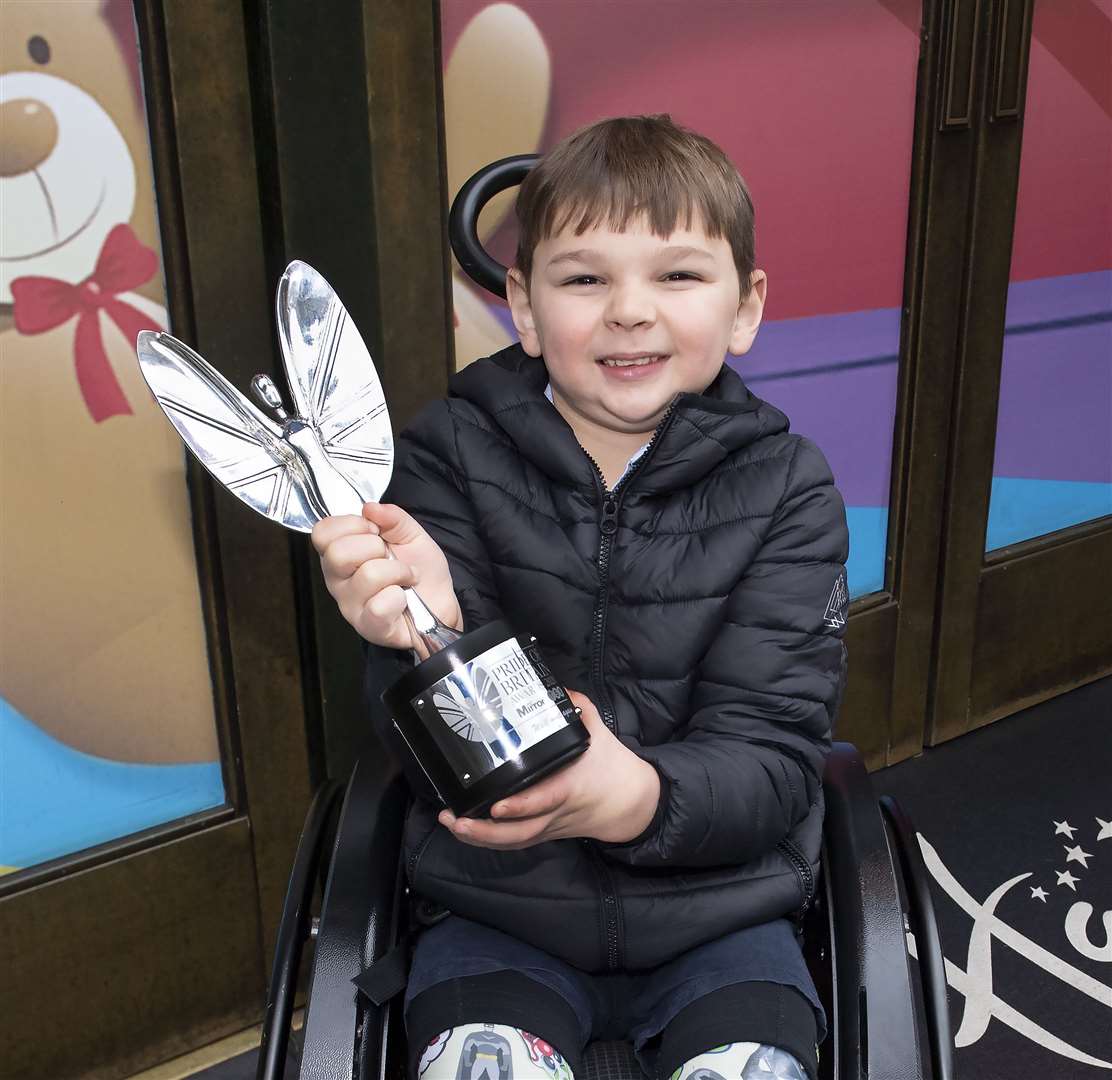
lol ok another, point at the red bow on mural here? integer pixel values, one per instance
(42, 303)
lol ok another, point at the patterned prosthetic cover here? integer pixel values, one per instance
(491, 1052)
(742, 1061)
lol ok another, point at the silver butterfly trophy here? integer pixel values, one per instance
(482, 713)
(335, 453)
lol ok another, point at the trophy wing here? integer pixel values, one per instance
(333, 380)
(240, 446)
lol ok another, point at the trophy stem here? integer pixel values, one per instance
(425, 629)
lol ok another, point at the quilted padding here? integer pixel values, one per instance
(702, 624)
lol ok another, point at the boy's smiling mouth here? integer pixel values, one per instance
(631, 360)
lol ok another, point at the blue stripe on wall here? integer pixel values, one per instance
(55, 800)
(868, 542)
(1021, 509)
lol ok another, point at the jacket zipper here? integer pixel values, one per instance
(803, 871)
(610, 912)
(608, 526)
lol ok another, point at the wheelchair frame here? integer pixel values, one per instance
(888, 1019)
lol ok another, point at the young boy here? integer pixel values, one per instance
(610, 486)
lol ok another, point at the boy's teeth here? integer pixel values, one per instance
(630, 363)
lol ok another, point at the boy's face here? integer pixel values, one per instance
(600, 299)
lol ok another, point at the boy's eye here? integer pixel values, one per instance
(681, 275)
(583, 279)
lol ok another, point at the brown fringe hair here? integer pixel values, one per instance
(616, 169)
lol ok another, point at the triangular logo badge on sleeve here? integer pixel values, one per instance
(837, 606)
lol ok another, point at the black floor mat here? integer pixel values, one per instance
(1006, 813)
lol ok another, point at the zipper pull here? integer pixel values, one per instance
(609, 524)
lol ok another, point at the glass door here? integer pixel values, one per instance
(153, 762)
(102, 603)
(1026, 607)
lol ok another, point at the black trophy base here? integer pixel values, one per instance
(485, 718)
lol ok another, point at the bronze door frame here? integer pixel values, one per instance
(350, 154)
(891, 632)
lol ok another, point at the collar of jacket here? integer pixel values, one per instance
(701, 430)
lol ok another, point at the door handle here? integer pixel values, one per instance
(1011, 40)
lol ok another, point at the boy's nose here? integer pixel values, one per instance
(630, 306)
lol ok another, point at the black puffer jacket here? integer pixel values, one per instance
(700, 606)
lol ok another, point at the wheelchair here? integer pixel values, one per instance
(887, 1017)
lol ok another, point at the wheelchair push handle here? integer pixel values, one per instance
(463, 219)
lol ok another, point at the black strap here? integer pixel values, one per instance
(387, 976)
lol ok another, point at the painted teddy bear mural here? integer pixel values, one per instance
(104, 675)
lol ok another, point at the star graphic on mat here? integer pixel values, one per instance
(1066, 878)
(1039, 894)
(1065, 828)
(1105, 830)
(1075, 854)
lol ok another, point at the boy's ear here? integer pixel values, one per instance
(517, 294)
(749, 312)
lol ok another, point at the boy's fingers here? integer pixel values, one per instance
(393, 523)
(349, 553)
(542, 798)
(581, 701)
(373, 576)
(592, 721)
(503, 835)
(384, 605)
(330, 529)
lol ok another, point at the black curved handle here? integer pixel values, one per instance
(293, 932)
(463, 219)
(928, 941)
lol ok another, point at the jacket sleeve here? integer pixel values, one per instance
(427, 482)
(747, 766)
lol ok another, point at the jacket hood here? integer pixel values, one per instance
(509, 388)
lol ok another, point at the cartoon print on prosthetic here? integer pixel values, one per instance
(542, 1053)
(745, 1060)
(436, 1047)
(772, 1063)
(486, 1052)
(486, 1055)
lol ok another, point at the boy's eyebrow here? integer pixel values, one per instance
(680, 251)
(676, 251)
(573, 256)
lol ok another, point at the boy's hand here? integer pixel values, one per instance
(367, 585)
(608, 793)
